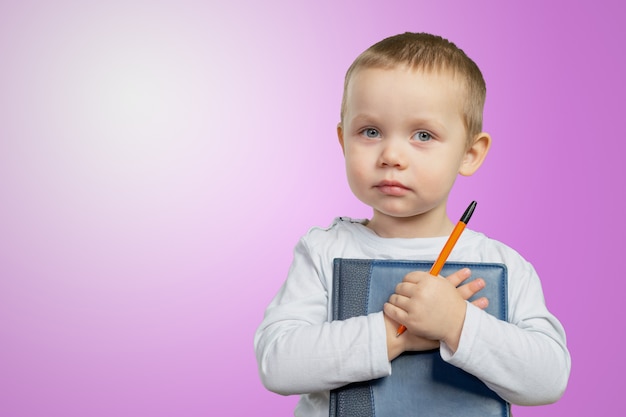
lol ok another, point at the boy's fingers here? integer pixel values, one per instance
(395, 313)
(399, 301)
(459, 276)
(481, 303)
(415, 276)
(471, 288)
(405, 289)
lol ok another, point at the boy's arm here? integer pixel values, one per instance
(299, 351)
(526, 364)
(525, 360)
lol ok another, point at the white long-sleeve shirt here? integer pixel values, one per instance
(300, 350)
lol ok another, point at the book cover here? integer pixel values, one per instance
(421, 383)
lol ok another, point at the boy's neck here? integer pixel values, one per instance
(430, 224)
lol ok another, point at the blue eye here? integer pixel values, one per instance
(371, 133)
(422, 136)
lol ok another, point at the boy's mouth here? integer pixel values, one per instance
(393, 188)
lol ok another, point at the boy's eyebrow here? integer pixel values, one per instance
(363, 117)
(431, 123)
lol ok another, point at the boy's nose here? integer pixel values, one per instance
(392, 155)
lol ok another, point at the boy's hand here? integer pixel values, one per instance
(407, 343)
(432, 309)
(470, 289)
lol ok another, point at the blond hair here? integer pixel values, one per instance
(423, 51)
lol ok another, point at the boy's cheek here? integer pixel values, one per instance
(357, 172)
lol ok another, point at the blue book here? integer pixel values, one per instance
(421, 383)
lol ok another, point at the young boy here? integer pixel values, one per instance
(411, 121)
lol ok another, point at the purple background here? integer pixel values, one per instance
(159, 161)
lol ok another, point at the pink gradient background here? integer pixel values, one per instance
(159, 161)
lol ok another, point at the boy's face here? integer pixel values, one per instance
(404, 141)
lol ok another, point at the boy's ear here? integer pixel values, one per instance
(475, 154)
(340, 137)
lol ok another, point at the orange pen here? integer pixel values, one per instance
(447, 248)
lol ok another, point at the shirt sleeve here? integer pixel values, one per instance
(299, 350)
(524, 360)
